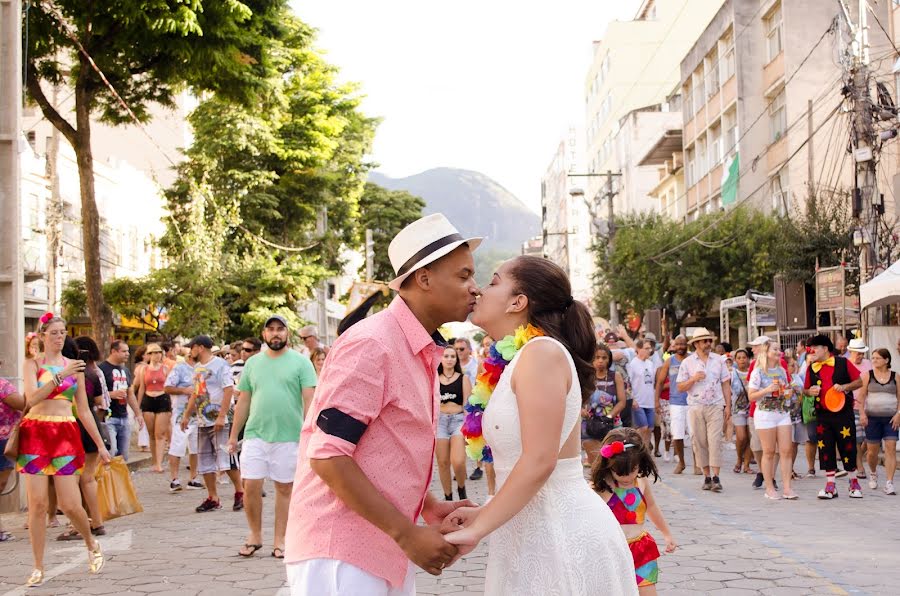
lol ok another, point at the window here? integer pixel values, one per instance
(715, 145)
(726, 50)
(701, 158)
(729, 124)
(690, 177)
(780, 191)
(699, 98)
(688, 103)
(777, 117)
(774, 32)
(712, 76)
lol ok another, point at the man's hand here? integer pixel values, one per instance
(461, 518)
(698, 376)
(435, 513)
(184, 423)
(232, 445)
(220, 422)
(814, 390)
(104, 455)
(118, 394)
(425, 546)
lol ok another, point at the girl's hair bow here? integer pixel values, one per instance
(614, 448)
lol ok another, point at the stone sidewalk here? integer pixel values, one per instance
(730, 543)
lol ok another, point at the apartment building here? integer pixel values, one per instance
(565, 219)
(759, 80)
(635, 66)
(665, 155)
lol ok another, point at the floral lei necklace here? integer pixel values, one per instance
(500, 355)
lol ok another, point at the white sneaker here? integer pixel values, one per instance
(889, 488)
(666, 456)
(873, 481)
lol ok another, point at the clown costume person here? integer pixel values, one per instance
(831, 379)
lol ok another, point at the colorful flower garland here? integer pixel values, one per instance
(501, 354)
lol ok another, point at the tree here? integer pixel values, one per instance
(148, 51)
(386, 212)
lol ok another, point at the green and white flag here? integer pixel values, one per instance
(730, 176)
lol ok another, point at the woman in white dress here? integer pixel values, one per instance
(549, 532)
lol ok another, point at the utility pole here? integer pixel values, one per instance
(12, 321)
(370, 255)
(55, 214)
(863, 139)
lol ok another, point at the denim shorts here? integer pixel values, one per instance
(879, 428)
(643, 417)
(450, 425)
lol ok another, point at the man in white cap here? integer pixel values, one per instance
(705, 378)
(367, 444)
(858, 349)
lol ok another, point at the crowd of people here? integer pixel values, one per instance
(234, 411)
(345, 435)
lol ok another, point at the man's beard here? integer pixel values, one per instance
(276, 344)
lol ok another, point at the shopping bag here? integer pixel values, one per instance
(115, 491)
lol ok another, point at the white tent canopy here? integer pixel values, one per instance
(882, 289)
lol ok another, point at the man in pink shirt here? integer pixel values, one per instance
(367, 445)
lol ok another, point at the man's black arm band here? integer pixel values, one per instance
(343, 426)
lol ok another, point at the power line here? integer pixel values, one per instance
(728, 213)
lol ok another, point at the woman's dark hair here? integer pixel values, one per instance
(88, 345)
(602, 347)
(552, 309)
(456, 367)
(884, 353)
(725, 345)
(69, 349)
(139, 354)
(623, 463)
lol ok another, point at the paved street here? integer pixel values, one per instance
(731, 543)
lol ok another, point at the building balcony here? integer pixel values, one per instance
(773, 72)
(777, 154)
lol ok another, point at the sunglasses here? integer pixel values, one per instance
(246, 349)
(155, 352)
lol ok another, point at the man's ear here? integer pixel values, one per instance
(422, 278)
(518, 304)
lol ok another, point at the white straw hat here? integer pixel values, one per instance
(422, 242)
(858, 345)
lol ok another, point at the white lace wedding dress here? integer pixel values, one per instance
(565, 541)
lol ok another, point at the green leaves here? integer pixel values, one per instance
(386, 212)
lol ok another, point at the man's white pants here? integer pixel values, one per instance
(330, 577)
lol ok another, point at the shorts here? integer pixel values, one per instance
(860, 429)
(740, 418)
(645, 553)
(275, 461)
(450, 425)
(5, 464)
(755, 443)
(86, 441)
(156, 405)
(879, 428)
(801, 434)
(211, 448)
(183, 439)
(679, 418)
(765, 420)
(643, 417)
(810, 432)
(330, 577)
(49, 446)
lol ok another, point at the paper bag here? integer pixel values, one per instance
(115, 491)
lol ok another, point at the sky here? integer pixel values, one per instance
(489, 85)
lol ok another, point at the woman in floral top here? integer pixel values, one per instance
(11, 402)
(607, 400)
(773, 393)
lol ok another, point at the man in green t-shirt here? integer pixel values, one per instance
(276, 388)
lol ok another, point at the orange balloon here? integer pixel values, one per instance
(834, 400)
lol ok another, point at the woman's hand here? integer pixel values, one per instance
(895, 421)
(74, 367)
(459, 518)
(465, 537)
(105, 457)
(863, 419)
(671, 545)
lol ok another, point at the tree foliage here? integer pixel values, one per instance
(148, 52)
(386, 212)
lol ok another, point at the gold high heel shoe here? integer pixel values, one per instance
(95, 560)
(36, 579)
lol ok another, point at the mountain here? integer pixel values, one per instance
(476, 204)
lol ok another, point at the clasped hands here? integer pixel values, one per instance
(446, 537)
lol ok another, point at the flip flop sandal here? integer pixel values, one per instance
(278, 550)
(6, 537)
(70, 534)
(737, 469)
(253, 548)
